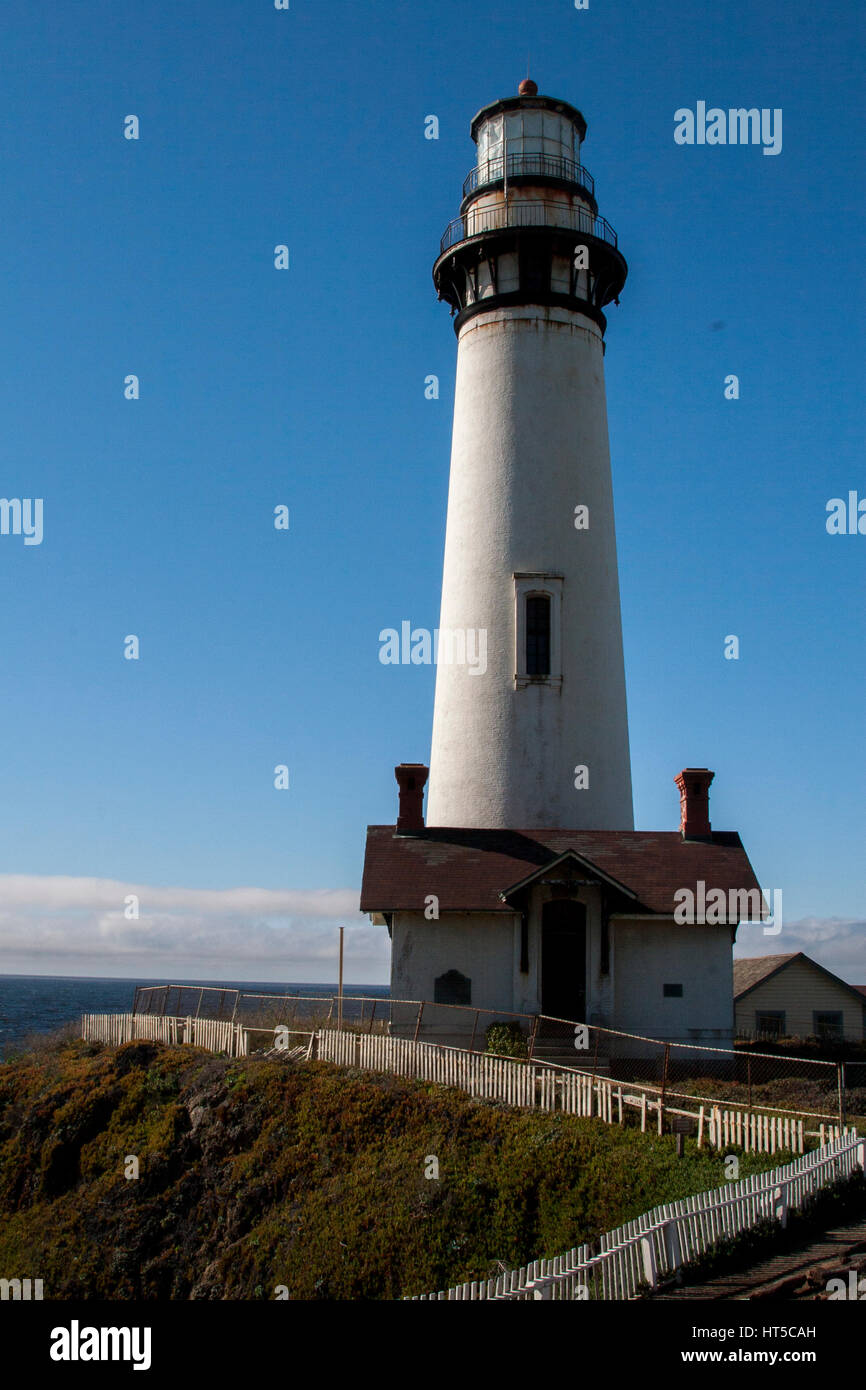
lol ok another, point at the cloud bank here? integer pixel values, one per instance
(55, 925)
(837, 943)
(81, 926)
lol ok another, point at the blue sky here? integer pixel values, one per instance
(306, 387)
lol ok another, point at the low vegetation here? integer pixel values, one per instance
(257, 1173)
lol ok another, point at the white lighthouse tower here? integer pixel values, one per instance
(535, 735)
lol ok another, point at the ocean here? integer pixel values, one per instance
(40, 1003)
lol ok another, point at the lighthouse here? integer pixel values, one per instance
(539, 737)
(526, 894)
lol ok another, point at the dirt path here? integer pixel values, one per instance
(797, 1274)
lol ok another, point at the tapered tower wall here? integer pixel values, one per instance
(529, 445)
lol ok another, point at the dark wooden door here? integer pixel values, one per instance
(563, 960)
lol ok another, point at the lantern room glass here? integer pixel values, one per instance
(529, 132)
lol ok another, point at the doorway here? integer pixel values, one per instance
(563, 960)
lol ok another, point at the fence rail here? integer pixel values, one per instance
(687, 1071)
(545, 1086)
(533, 1083)
(643, 1253)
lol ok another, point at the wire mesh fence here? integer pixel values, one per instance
(698, 1070)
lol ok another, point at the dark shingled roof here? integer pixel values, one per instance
(749, 973)
(468, 869)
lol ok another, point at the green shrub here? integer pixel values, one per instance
(507, 1040)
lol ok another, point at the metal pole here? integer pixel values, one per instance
(340, 987)
(841, 1085)
(418, 1020)
(664, 1086)
(532, 1032)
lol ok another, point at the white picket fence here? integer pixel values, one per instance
(216, 1034)
(534, 1085)
(538, 1085)
(761, 1133)
(642, 1253)
(531, 1084)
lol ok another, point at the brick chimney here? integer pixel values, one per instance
(694, 785)
(411, 779)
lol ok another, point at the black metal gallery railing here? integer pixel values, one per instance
(520, 165)
(477, 221)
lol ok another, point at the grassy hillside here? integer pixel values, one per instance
(256, 1173)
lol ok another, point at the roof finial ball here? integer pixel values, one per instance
(528, 88)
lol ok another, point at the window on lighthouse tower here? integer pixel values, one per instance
(538, 635)
(537, 630)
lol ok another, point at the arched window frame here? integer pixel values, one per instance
(537, 586)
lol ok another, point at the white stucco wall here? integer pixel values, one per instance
(486, 947)
(530, 444)
(647, 955)
(644, 956)
(480, 945)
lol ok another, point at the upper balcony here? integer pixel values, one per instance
(478, 221)
(522, 166)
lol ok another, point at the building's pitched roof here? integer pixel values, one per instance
(753, 971)
(748, 974)
(470, 870)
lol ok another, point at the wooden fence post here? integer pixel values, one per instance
(418, 1020)
(649, 1261)
(673, 1247)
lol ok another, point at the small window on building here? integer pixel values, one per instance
(538, 635)
(828, 1023)
(771, 1024)
(673, 991)
(452, 988)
